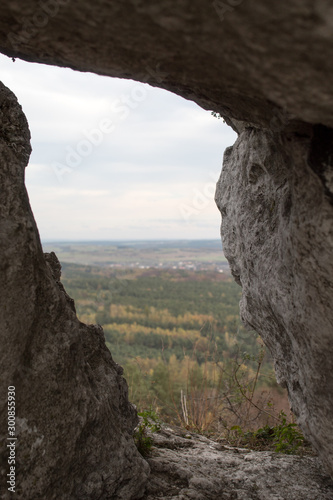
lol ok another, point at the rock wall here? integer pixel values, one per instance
(277, 231)
(266, 66)
(74, 423)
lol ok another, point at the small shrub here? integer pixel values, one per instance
(287, 437)
(217, 115)
(282, 438)
(150, 421)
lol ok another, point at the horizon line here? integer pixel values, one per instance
(127, 240)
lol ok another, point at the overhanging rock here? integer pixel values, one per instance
(266, 66)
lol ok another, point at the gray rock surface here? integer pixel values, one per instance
(74, 423)
(188, 466)
(277, 229)
(244, 58)
(266, 66)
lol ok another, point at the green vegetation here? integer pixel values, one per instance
(156, 314)
(149, 421)
(284, 437)
(185, 355)
(165, 254)
(217, 115)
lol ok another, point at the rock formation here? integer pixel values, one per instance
(277, 225)
(266, 67)
(74, 423)
(186, 466)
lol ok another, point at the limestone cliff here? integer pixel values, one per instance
(266, 67)
(277, 230)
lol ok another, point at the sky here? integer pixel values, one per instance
(115, 159)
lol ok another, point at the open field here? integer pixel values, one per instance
(192, 255)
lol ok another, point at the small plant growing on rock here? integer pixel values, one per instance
(149, 422)
(287, 437)
(282, 438)
(217, 115)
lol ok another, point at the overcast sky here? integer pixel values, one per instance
(115, 159)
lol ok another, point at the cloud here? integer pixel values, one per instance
(150, 173)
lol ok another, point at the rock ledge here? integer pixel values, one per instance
(188, 466)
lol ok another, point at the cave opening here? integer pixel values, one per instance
(118, 160)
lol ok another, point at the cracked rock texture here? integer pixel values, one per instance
(188, 466)
(74, 421)
(266, 67)
(277, 228)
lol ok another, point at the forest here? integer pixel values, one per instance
(178, 335)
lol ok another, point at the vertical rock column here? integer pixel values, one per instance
(275, 197)
(73, 419)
